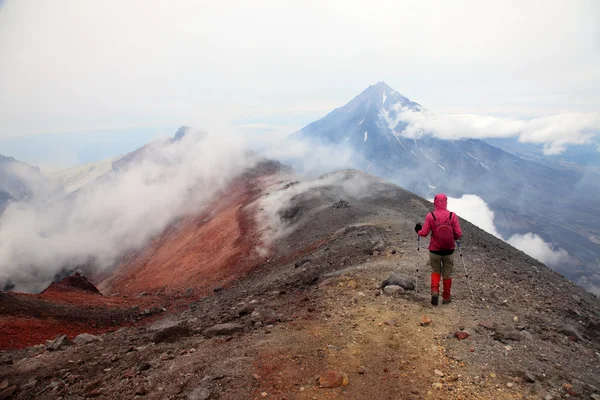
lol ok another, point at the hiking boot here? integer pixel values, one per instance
(446, 301)
(435, 298)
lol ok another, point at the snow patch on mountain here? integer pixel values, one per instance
(484, 165)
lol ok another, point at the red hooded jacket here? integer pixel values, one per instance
(441, 212)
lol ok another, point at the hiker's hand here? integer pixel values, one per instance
(418, 227)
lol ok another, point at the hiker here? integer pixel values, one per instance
(445, 230)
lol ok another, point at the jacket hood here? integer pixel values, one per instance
(440, 202)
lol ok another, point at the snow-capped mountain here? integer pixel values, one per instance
(556, 203)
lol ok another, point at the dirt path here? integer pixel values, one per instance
(378, 342)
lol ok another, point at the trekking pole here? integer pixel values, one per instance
(418, 243)
(465, 269)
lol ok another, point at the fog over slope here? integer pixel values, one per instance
(121, 211)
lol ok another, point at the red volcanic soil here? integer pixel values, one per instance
(199, 252)
(70, 307)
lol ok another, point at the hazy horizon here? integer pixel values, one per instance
(266, 69)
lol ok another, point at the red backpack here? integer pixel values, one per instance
(444, 233)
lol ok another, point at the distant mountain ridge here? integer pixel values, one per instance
(556, 203)
(18, 180)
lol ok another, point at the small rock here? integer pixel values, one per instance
(144, 367)
(425, 321)
(171, 334)
(200, 393)
(141, 391)
(576, 298)
(488, 324)
(393, 290)
(331, 379)
(362, 370)
(595, 396)
(92, 394)
(492, 375)
(341, 204)
(461, 335)
(526, 335)
(361, 294)
(58, 343)
(265, 315)
(246, 309)
(404, 282)
(506, 334)
(224, 329)
(549, 397)
(4, 384)
(570, 331)
(300, 263)
(437, 385)
(86, 338)
(529, 377)
(567, 386)
(439, 373)
(6, 360)
(510, 384)
(8, 392)
(390, 322)
(515, 319)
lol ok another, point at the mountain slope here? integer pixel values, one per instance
(71, 179)
(18, 181)
(313, 303)
(556, 203)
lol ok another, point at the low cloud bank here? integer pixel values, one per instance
(554, 132)
(118, 212)
(474, 209)
(311, 157)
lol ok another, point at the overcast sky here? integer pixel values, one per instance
(94, 66)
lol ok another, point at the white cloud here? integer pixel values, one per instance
(474, 209)
(310, 157)
(537, 248)
(556, 132)
(116, 214)
(74, 65)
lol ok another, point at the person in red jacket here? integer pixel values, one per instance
(445, 230)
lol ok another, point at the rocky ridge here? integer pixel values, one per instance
(339, 308)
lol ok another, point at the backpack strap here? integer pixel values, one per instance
(449, 219)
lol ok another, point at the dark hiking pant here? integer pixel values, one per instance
(442, 264)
